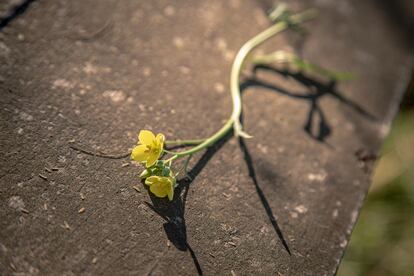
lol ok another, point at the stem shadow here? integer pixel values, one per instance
(17, 10)
(174, 212)
(263, 199)
(316, 124)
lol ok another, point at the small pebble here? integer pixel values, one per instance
(81, 210)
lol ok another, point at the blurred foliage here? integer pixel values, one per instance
(383, 240)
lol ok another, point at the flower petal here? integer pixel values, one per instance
(151, 180)
(160, 140)
(146, 137)
(152, 159)
(139, 153)
(159, 189)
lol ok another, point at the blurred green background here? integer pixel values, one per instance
(382, 242)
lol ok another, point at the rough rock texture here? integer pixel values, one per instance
(96, 72)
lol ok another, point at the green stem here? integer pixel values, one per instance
(242, 55)
(185, 142)
(208, 142)
(234, 120)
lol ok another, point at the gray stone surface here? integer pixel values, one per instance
(96, 72)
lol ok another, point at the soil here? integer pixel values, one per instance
(93, 73)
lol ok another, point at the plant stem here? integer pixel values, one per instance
(245, 50)
(208, 142)
(242, 56)
(185, 142)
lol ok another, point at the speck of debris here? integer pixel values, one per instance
(94, 260)
(146, 71)
(301, 209)
(168, 243)
(61, 159)
(169, 11)
(219, 87)
(24, 210)
(125, 165)
(366, 155)
(55, 169)
(48, 170)
(13, 266)
(82, 196)
(115, 95)
(211, 254)
(81, 210)
(232, 244)
(66, 225)
(317, 176)
(16, 202)
(136, 188)
(233, 273)
(26, 117)
(178, 42)
(185, 70)
(45, 206)
(62, 83)
(226, 195)
(72, 141)
(42, 176)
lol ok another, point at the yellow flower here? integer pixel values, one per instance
(149, 148)
(161, 186)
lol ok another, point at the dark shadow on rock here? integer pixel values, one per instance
(17, 10)
(315, 90)
(263, 199)
(174, 212)
(316, 124)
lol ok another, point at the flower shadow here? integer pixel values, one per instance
(174, 212)
(316, 124)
